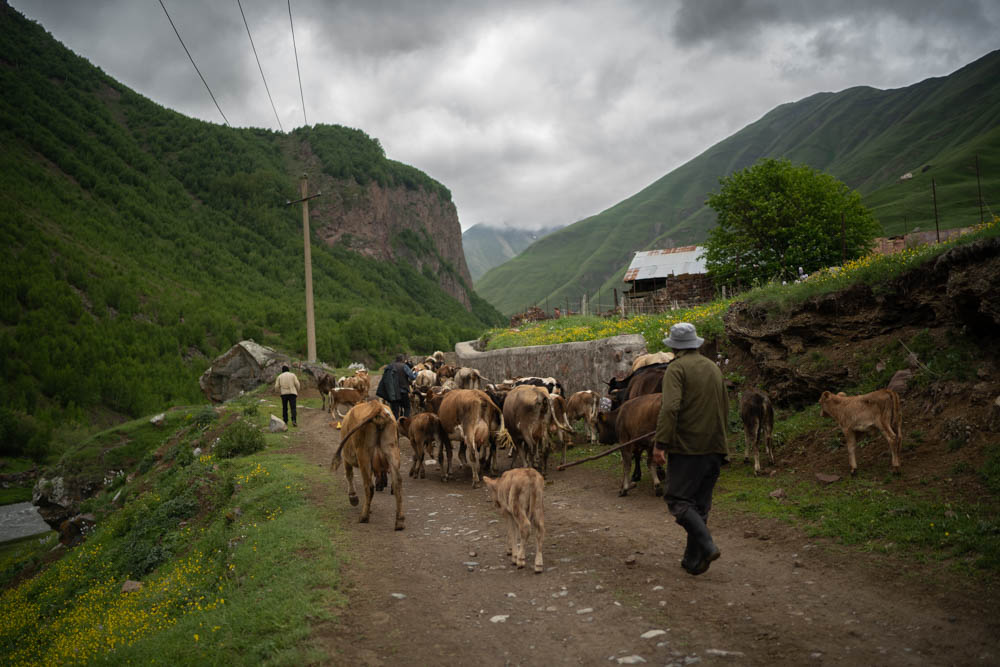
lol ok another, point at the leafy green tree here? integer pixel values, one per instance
(776, 218)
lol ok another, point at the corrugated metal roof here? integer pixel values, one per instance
(662, 263)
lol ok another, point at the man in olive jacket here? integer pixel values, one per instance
(692, 431)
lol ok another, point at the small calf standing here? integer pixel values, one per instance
(857, 414)
(518, 493)
(757, 414)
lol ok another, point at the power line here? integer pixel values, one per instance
(193, 63)
(240, 5)
(294, 48)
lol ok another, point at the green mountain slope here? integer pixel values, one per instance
(139, 244)
(486, 246)
(866, 137)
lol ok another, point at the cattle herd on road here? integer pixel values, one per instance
(521, 419)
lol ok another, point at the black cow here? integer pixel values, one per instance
(646, 380)
(552, 385)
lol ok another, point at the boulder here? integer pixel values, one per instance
(277, 425)
(131, 586)
(246, 366)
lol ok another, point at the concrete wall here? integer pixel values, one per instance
(584, 365)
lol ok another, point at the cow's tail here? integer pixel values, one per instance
(503, 437)
(564, 424)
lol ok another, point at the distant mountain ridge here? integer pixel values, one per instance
(864, 136)
(486, 246)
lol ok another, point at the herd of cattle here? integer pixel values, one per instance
(527, 416)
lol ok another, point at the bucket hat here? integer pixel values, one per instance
(683, 337)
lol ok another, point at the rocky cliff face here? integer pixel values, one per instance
(369, 219)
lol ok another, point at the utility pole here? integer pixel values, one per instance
(936, 228)
(310, 312)
(979, 186)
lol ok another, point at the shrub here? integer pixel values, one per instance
(205, 416)
(240, 439)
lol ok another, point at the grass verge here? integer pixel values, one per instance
(234, 565)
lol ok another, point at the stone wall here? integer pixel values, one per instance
(583, 365)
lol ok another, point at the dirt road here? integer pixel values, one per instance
(441, 592)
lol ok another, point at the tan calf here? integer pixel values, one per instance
(370, 443)
(757, 415)
(519, 495)
(857, 414)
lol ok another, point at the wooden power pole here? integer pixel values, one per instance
(310, 312)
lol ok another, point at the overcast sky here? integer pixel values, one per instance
(533, 113)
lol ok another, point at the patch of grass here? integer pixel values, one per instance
(231, 578)
(242, 438)
(870, 515)
(15, 494)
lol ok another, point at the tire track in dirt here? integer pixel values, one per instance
(775, 596)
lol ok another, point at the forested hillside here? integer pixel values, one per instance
(487, 246)
(139, 244)
(866, 137)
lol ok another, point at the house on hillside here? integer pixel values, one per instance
(672, 278)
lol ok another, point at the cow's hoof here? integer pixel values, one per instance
(538, 569)
(353, 500)
(622, 493)
(363, 519)
(475, 485)
(854, 472)
(658, 491)
(746, 459)
(423, 475)
(400, 523)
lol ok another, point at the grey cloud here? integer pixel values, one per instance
(532, 113)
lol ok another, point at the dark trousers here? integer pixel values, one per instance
(401, 408)
(288, 400)
(690, 481)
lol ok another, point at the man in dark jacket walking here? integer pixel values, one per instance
(394, 387)
(691, 430)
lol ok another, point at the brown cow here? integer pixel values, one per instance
(424, 431)
(340, 396)
(634, 418)
(519, 495)
(528, 413)
(583, 405)
(757, 414)
(326, 383)
(560, 424)
(360, 381)
(856, 414)
(370, 442)
(460, 412)
(469, 378)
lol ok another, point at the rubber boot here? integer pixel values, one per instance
(703, 548)
(691, 554)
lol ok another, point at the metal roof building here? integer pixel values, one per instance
(653, 264)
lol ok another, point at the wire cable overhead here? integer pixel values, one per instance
(196, 66)
(240, 5)
(294, 48)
